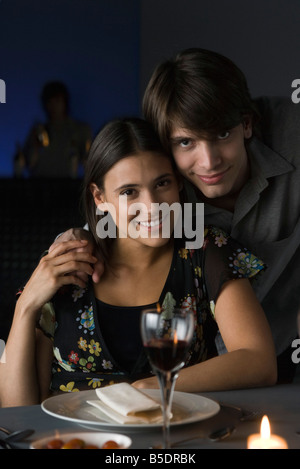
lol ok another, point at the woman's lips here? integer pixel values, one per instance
(153, 224)
(150, 224)
(214, 179)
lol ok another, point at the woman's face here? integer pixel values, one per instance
(134, 188)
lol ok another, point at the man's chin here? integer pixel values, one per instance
(213, 192)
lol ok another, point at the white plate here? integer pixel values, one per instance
(90, 438)
(187, 408)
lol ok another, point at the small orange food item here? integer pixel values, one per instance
(75, 443)
(55, 444)
(110, 444)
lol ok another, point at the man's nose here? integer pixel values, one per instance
(207, 156)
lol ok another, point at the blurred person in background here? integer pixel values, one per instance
(58, 147)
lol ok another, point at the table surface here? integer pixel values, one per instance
(281, 403)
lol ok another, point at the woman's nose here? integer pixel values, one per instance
(150, 198)
(148, 203)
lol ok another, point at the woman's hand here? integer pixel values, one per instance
(56, 269)
(82, 234)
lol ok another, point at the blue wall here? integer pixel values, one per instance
(91, 45)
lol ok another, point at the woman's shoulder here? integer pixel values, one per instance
(215, 232)
(211, 234)
(223, 250)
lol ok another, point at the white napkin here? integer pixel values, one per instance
(125, 404)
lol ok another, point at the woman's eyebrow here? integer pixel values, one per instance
(126, 186)
(131, 185)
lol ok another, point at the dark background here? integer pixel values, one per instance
(105, 51)
(91, 45)
(261, 36)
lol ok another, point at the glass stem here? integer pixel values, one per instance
(167, 384)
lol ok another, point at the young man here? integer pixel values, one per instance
(242, 159)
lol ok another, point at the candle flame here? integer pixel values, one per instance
(175, 338)
(158, 308)
(265, 431)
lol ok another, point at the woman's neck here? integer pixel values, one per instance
(135, 275)
(128, 253)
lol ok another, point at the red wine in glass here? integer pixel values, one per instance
(166, 354)
(167, 336)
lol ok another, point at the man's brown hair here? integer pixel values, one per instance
(199, 90)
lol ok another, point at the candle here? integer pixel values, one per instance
(264, 439)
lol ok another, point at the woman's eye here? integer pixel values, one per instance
(127, 192)
(223, 135)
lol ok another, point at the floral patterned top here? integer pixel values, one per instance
(82, 352)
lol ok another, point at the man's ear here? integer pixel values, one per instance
(247, 124)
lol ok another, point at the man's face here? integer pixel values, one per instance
(217, 166)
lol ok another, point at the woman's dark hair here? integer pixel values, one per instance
(199, 90)
(118, 139)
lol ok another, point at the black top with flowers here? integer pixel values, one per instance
(90, 353)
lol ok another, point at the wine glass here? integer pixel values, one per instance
(167, 337)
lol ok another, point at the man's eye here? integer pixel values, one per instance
(185, 142)
(163, 182)
(223, 135)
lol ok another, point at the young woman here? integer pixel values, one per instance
(67, 335)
